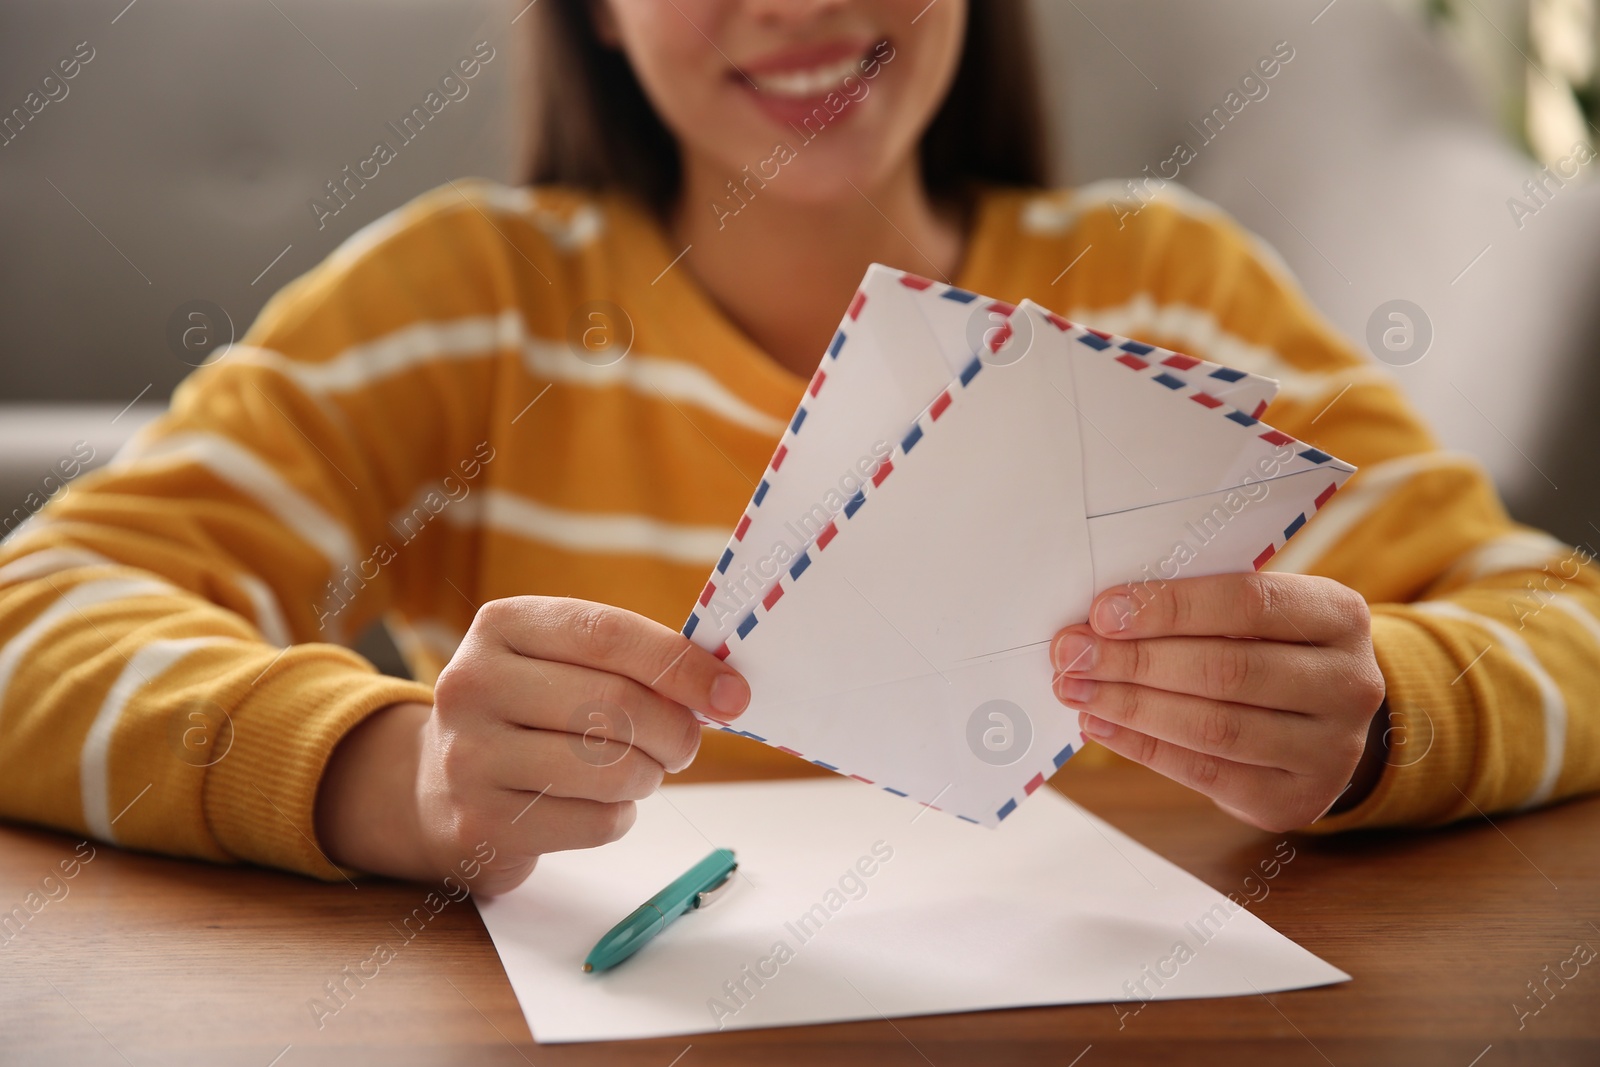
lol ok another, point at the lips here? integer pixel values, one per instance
(806, 84)
(789, 85)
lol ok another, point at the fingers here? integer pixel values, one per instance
(551, 720)
(616, 710)
(1228, 731)
(1267, 797)
(508, 794)
(1255, 689)
(578, 702)
(567, 765)
(533, 824)
(1267, 674)
(1297, 608)
(507, 831)
(617, 641)
(512, 830)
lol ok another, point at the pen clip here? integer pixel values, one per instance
(716, 892)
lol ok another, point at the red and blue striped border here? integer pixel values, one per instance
(1294, 527)
(925, 424)
(1158, 365)
(1172, 370)
(841, 337)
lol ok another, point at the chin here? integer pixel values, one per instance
(817, 174)
(830, 186)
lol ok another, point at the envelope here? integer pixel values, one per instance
(909, 337)
(892, 588)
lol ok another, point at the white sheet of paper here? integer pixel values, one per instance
(882, 910)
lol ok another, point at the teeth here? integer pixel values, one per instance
(804, 84)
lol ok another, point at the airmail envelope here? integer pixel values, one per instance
(960, 480)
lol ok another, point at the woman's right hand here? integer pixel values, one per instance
(551, 719)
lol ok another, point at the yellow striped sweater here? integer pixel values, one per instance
(405, 433)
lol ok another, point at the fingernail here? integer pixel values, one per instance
(1095, 726)
(1111, 615)
(1075, 652)
(1075, 690)
(729, 694)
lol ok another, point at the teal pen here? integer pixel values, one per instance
(694, 889)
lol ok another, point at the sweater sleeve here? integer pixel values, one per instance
(171, 669)
(1487, 631)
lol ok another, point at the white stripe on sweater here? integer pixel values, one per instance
(146, 664)
(623, 534)
(254, 477)
(1569, 604)
(1057, 213)
(481, 336)
(1518, 550)
(586, 223)
(52, 560)
(68, 605)
(1348, 508)
(269, 617)
(1553, 704)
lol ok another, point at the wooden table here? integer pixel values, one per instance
(148, 960)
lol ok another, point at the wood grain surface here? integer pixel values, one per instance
(143, 960)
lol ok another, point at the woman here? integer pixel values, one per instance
(519, 423)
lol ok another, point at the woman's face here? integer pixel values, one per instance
(813, 96)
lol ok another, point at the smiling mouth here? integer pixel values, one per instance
(809, 83)
(804, 84)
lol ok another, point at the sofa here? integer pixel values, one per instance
(197, 159)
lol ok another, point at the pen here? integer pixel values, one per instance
(692, 889)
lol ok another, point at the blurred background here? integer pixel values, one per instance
(152, 202)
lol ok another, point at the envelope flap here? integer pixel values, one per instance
(1150, 434)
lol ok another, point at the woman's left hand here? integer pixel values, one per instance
(1271, 729)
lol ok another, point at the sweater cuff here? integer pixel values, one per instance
(260, 799)
(1432, 731)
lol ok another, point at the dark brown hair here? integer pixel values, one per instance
(594, 127)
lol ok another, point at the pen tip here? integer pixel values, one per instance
(587, 967)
